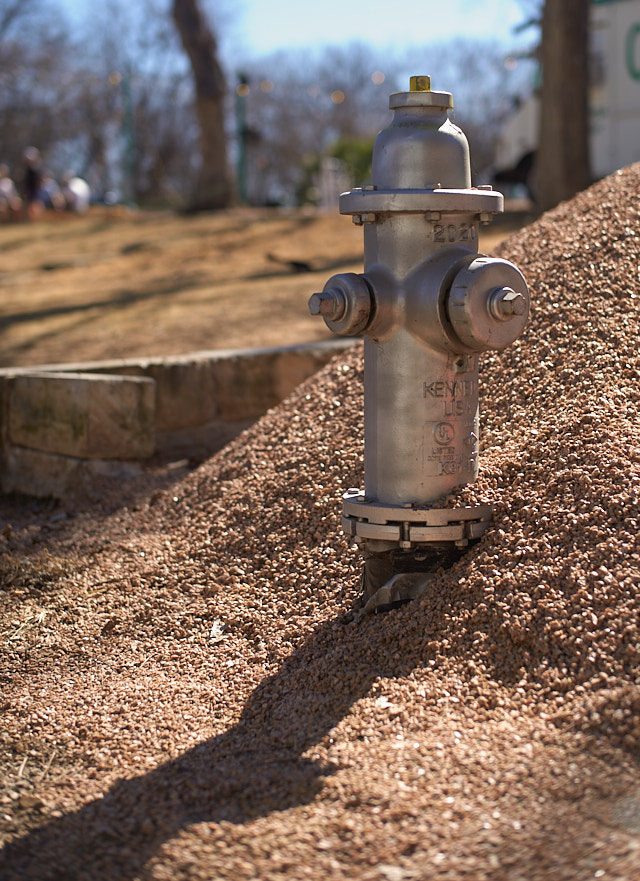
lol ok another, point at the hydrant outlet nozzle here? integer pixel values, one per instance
(345, 303)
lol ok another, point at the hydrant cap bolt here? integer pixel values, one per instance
(505, 303)
(329, 303)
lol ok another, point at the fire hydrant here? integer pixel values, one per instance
(427, 304)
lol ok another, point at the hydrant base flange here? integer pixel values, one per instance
(410, 525)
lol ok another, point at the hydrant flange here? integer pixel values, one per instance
(407, 526)
(420, 201)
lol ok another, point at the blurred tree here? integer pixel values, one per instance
(213, 190)
(114, 100)
(11, 11)
(356, 154)
(298, 106)
(532, 10)
(33, 67)
(562, 161)
(136, 130)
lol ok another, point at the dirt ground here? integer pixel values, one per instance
(118, 284)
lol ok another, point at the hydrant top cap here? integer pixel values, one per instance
(420, 95)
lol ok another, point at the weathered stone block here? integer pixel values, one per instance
(84, 415)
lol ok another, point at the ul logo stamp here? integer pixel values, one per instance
(443, 433)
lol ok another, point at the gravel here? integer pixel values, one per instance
(187, 691)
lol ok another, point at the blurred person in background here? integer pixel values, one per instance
(50, 193)
(76, 193)
(10, 201)
(32, 183)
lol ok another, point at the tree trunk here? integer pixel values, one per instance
(213, 190)
(562, 163)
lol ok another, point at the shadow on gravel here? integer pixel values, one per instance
(259, 765)
(256, 767)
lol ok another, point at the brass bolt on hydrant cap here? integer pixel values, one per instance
(420, 84)
(420, 95)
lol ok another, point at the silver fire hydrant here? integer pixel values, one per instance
(427, 304)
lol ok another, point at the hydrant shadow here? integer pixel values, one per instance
(256, 767)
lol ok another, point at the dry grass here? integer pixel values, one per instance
(114, 285)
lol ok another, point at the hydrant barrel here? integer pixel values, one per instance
(421, 429)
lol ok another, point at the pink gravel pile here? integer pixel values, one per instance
(188, 694)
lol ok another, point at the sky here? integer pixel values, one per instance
(255, 28)
(264, 26)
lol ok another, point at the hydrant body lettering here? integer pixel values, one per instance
(456, 389)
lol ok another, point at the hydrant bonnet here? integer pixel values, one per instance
(435, 154)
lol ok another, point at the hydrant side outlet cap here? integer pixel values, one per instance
(346, 304)
(488, 304)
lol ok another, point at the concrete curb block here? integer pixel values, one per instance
(82, 414)
(63, 424)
